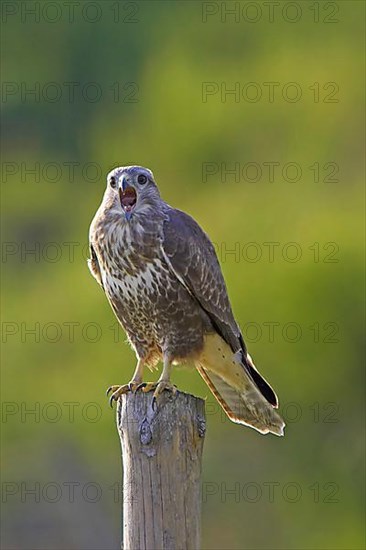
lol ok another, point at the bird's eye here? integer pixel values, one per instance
(113, 182)
(142, 179)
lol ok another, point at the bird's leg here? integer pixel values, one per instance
(134, 384)
(163, 383)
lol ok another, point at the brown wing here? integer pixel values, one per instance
(193, 259)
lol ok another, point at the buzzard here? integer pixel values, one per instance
(161, 275)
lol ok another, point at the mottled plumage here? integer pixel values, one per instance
(161, 275)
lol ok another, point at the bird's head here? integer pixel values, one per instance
(131, 190)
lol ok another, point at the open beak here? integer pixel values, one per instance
(128, 197)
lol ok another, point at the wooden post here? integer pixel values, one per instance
(161, 454)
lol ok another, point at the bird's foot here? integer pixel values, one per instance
(158, 388)
(117, 390)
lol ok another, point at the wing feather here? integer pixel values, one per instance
(193, 259)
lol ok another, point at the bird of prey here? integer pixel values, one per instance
(162, 278)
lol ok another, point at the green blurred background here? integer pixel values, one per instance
(304, 491)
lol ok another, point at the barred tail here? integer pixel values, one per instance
(235, 390)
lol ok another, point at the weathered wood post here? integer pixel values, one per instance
(162, 457)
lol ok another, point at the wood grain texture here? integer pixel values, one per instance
(162, 461)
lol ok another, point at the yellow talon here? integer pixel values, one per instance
(117, 390)
(149, 386)
(159, 387)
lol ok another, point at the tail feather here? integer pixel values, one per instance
(261, 383)
(241, 408)
(238, 391)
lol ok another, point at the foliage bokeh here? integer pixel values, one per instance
(169, 52)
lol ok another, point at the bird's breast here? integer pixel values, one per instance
(131, 281)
